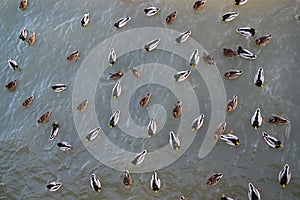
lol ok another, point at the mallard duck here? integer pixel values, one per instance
(59, 87)
(151, 11)
(177, 109)
(284, 176)
(150, 46)
(240, 2)
(13, 65)
(95, 183)
(92, 134)
(253, 193)
(152, 127)
(155, 182)
(23, 34)
(11, 86)
(233, 73)
(115, 76)
(54, 130)
(28, 101)
(220, 130)
(127, 180)
(194, 58)
(114, 119)
(263, 40)
(171, 17)
(145, 100)
(278, 119)
(54, 186)
(229, 16)
(183, 37)
(116, 91)
(223, 197)
(122, 22)
(74, 56)
(259, 78)
(198, 123)
(82, 106)
(85, 19)
(246, 32)
(183, 198)
(112, 57)
(174, 141)
(139, 158)
(232, 104)
(23, 4)
(297, 17)
(230, 139)
(209, 59)
(214, 179)
(244, 53)
(64, 146)
(135, 72)
(199, 5)
(32, 38)
(44, 118)
(271, 141)
(229, 52)
(182, 75)
(256, 120)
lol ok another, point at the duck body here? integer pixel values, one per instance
(199, 5)
(116, 91)
(32, 38)
(85, 20)
(13, 65)
(171, 17)
(54, 130)
(256, 120)
(95, 183)
(23, 4)
(245, 53)
(93, 134)
(229, 16)
(135, 72)
(182, 75)
(145, 100)
(259, 78)
(82, 106)
(278, 119)
(11, 86)
(152, 127)
(155, 182)
(230, 139)
(214, 179)
(183, 37)
(28, 101)
(220, 130)
(59, 87)
(177, 109)
(240, 2)
(44, 118)
(64, 146)
(127, 180)
(223, 197)
(23, 34)
(229, 52)
(116, 75)
(232, 104)
(263, 40)
(174, 141)
(194, 58)
(150, 46)
(253, 193)
(198, 123)
(209, 59)
(151, 11)
(114, 119)
(139, 158)
(284, 176)
(54, 186)
(74, 56)
(112, 57)
(122, 22)
(246, 32)
(233, 73)
(271, 141)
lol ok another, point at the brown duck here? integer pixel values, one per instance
(198, 5)
(171, 17)
(229, 52)
(177, 109)
(263, 40)
(44, 118)
(32, 38)
(11, 86)
(115, 76)
(232, 104)
(73, 56)
(278, 119)
(23, 4)
(145, 100)
(28, 102)
(127, 180)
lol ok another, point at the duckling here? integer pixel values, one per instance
(253, 193)
(150, 46)
(95, 183)
(155, 182)
(259, 78)
(54, 186)
(198, 123)
(145, 100)
(278, 119)
(240, 2)
(271, 141)
(232, 104)
(284, 176)
(209, 59)
(32, 38)
(74, 56)
(182, 75)
(214, 179)
(246, 32)
(82, 106)
(152, 127)
(127, 180)
(64, 146)
(256, 120)
(92, 134)
(115, 76)
(114, 119)
(44, 118)
(116, 91)
(13, 65)
(23, 34)
(174, 141)
(54, 130)
(199, 5)
(171, 17)
(229, 16)
(230, 139)
(151, 11)
(11, 86)
(194, 58)
(183, 37)
(263, 40)
(28, 102)
(23, 4)
(223, 197)
(112, 57)
(122, 22)
(177, 109)
(244, 53)
(220, 130)
(139, 158)
(229, 52)
(59, 87)
(233, 73)
(85, 19)
(135, 72)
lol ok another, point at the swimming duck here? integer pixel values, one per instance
(152, 127)
(263, 40)
(85, 19)
(198, 123)
(271, 141)
(284, 176)
(135, 72)
(11, 86)
(145, 100)
(116, 91)
(198, 5)
(233, 73)
(230, 139)
(209, 59)
(150, 46)
(13, 65)
(220, 130)
(115, 76)
(64, 146)
(122, 22)
(183, 198)
(229, 16)
(92, 134)
(23, 4)
(183, 37)
(177, 109)
(244, 53)
(174, 141)
(259, 78)
(127, 180)
(297, 17)
(112, 57)
(151, 11)
(229, 52)
(59, 87)
(95, 183)
(223, 197)
(256, 120)
(278, 119)
(73, 56)
(114, 119)
(54, 186)
(182, 75)
(253, 193)
(214, 179)
(28, 102)
(155, 182)
(194, 58)
(82, 106)
(44, 118)
(32, 38)
(139, 158)
(23, 35)
(240, 2)
(232, 103)
(171, 17)
(246, 32)
(54, 130)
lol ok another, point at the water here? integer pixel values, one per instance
(29, 160)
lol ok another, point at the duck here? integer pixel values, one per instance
(220, 130)
(229, 16)
(271, 141)
(223, 197)
(244, 53)
(232, 104)
(112, 57)
(174, 141)
(263, 40)
(82, 106)
(145, 100)
(54, 186)
(28, 101)
(74, 56)
(23, 4)
(59, 87)
(135, 72)
(117, 89)
(183, 198)
(116, 75)
(122, 22)
(253, 193)
(240, 2)
(32, 38)
(23, 34)
(54, 130)
(229, 52)
(199, 5)
(85, 20)
(284, 176)
(246, 31)
(198, 123)
(64, 146)
(259, 78)
(278, 119)
(92, 134)
(182, 75)
(230, 139)
(95, 183)
(139, 158)
(127, 180)
(194, 58)
(177, 109)
(44, 118)
(13, 65)
(11, 86)
(214, 179)
(155, 182)
(151, 11)
(114, 119)
(183, 37)
(209, 59)
(233, 73)
(150, 46)
(171, 17)
(257, 120)
(152, 127)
